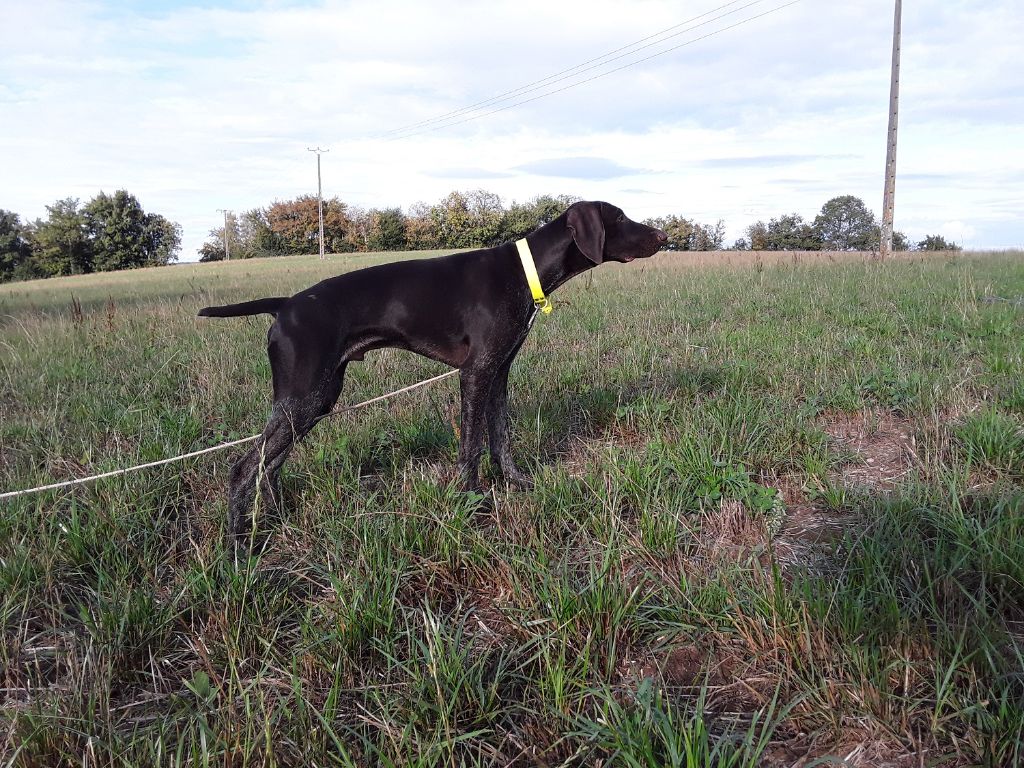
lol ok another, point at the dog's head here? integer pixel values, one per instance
(602, 232)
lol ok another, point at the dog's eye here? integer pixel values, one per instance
(621, 218)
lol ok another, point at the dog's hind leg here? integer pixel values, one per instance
(292, 417)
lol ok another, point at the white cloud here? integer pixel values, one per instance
(957, 231)
(196, 108)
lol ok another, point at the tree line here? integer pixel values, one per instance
(114, 232)
(845, 223)
(473, 219)
(479, 218)
(109, 232)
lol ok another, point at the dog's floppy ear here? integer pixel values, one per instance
(587, 227)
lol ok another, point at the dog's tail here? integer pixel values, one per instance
(257, 307)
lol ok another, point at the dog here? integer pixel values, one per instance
(471, 311)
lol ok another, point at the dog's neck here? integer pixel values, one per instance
(556, 256)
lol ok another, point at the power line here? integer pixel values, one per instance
(450, 124)
(582, 67)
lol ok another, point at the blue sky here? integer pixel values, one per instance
(195, 107)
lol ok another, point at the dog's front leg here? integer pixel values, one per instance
(497, 428)
(475, 385)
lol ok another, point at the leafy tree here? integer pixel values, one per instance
(678, 229)
(15, 250)
(451, 219)
(249, 236)
(546, 208)
(688, 235)
(518, 220)
(386, 230)
(789, 232)
(123, 236)
(486, 213)
(295, 225)
(900, 242)
(937, 243)
(358, 235)
(114, 225)
(255, 237)
(210, 250)
(421, 230)
(708, 238)
(757, 234)
(468, 219)
(62, 245)
(523, 218)
(163, 240)
(846, 224)
(110, 232)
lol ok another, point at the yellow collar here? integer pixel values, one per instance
(542, 302)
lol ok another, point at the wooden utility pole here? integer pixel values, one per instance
(227, 253)
(319, 196)
(888, 202)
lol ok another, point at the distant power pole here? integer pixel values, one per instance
(319, 196)
(227, 253)
(888, 202)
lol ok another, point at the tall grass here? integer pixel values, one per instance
(653, 601)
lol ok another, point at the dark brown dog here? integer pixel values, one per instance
(469, 310)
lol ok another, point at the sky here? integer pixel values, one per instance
(734, 115)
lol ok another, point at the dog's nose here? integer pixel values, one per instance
(662, 237)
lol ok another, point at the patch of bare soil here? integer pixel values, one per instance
(871, 752)
(733, 533)
(809, 537)
(883, 443)
(724, 670)
(883, 450)
(490, 599)
(734, 684)
(582, 450)
(809, 530)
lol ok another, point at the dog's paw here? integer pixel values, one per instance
(470, 485)
(518, 480)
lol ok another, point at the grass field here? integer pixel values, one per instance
(779, 516)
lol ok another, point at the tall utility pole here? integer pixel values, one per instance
(888, 203)
(227, 253)
(319, 196)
